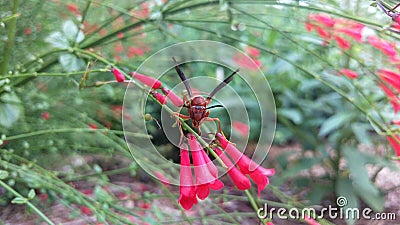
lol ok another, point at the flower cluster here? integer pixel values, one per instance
(206, 174)
(154, 84)
(340, 30)
(343, 31)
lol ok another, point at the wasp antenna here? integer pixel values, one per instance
(222, 84)
(215, 106)
(183, 78)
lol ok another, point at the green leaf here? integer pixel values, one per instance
(10, 109)
(366, 190)
(300, 165)
(19, 200)
(344, 189)
(31, 194)
(3, 174)
(334, 122)
(58, 40)
(362, 132)
(71, 63)
(72, 32)
(293, 114)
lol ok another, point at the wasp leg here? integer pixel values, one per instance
(178, 122)
(218, 122)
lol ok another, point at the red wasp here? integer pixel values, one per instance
(197, 105)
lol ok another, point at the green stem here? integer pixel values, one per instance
(33, 207)
(35, 74)
(10, 40)
(71, 130)
(253, 204)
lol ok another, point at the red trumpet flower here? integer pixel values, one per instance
(257, 173)
(175, 99)
(204, 177)
(238, 178)
(146, 80)
(117, 74)
(187, 189)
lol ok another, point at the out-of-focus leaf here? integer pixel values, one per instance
(334, 122)
(360, 180)
(58, 40)
(10, 109)
(71, 63)
(300, 165)
(31, 194)
(3, 174)
(292, 114)
(347, 198)
(19, 200)
(72, 32)
(362, 132)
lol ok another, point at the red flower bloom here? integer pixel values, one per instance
(146, 80)
(342, 43)
(254, 52)
(323, 33)
(395, 143)
(120, 35)
(393, 98)
(187, 189)
(43, 197)
(256, 172)
(85, 210)
(175, 99)
(45, 115)
(28, 31)
(349, 73)
(309, 26)
(323, 19)
(73, 8)
(160, 98)
(118, 48)
(242, 128)
(117, 74)
(245, 62)
(204, 178)
(355, 34)
(93, 126)
(385, 46)
(238, 178)
(390, 77)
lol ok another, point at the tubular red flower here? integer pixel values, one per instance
(254, 52)
(349, 73)
(395, 143)
(45, 115)
(309, 26)
(390, 77)
(175, 99)
(204, 178)
(323, 33)
(342, 43)
(256, 172)
(160, 98)
(385, 46)
(146, 80)
(245, 62)
(393, 98)
(238, 178)
(323, 19)
(117, 74)
(355, 34)
(187, 189)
